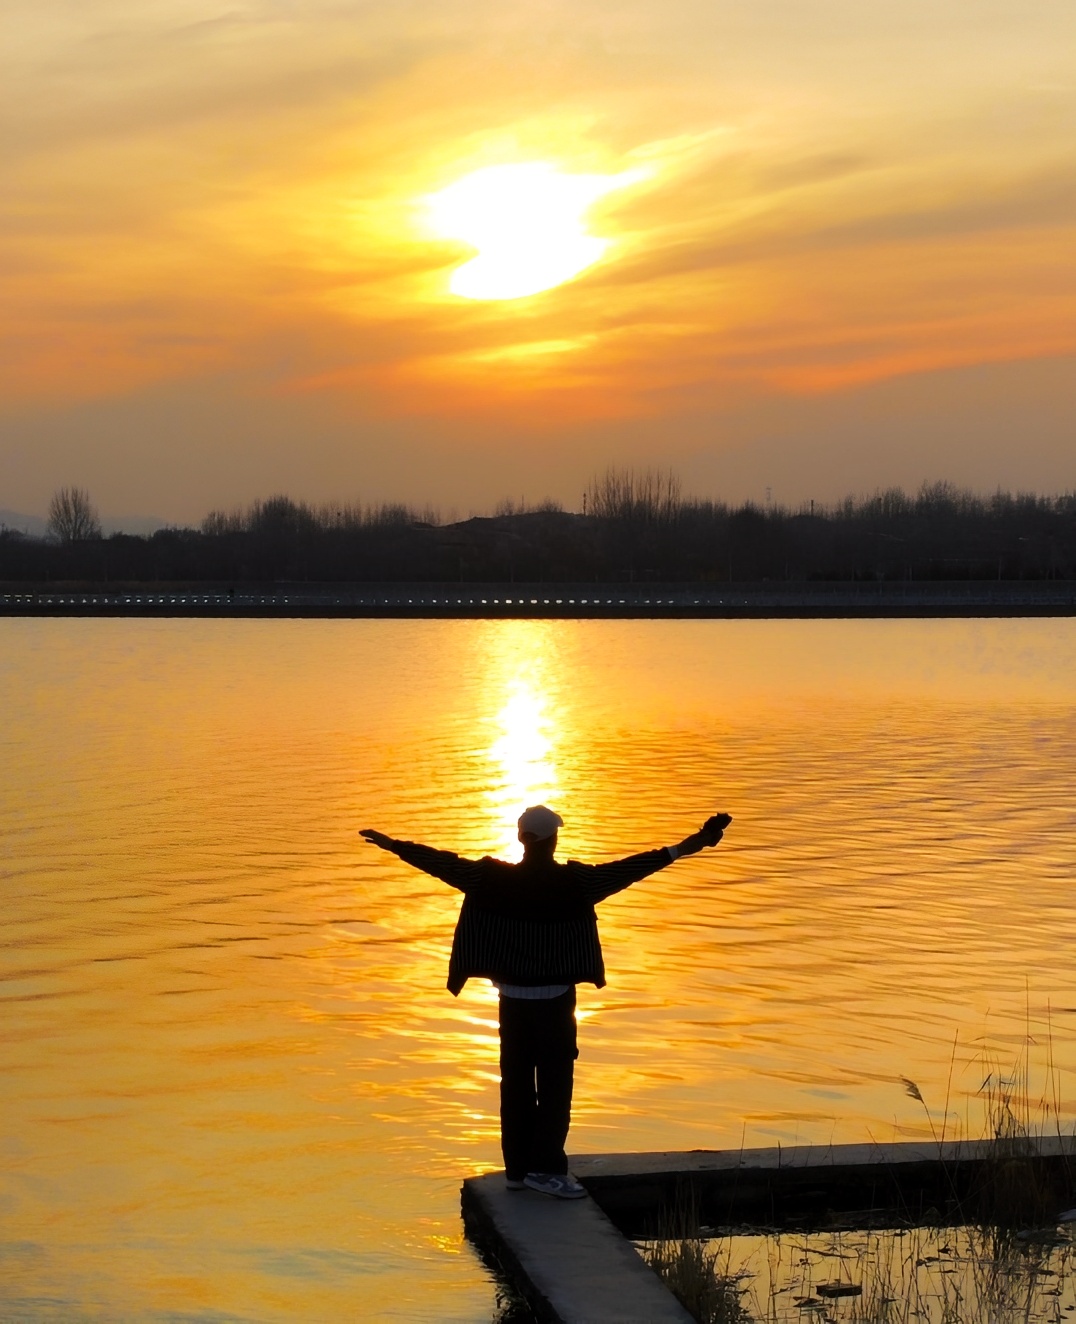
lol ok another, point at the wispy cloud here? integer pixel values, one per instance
(837, 194)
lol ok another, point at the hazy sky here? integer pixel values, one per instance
(841, 249)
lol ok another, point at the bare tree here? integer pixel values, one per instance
(72, 515)
(645, 496)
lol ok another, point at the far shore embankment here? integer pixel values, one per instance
(769, 599)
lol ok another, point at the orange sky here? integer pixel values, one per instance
(846, 259)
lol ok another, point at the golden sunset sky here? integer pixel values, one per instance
(832, 247)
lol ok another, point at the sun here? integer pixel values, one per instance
(527, 223)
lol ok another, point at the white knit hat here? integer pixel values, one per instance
(539, 822)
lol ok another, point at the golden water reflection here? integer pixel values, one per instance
(233, 1081)
(522, 751)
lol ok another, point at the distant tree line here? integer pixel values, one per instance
(637, 527)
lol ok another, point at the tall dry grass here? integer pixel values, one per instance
(1009, 1262)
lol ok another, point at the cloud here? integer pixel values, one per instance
(208, 203)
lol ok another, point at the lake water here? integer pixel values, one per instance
(935, 1276)
(233, 1085)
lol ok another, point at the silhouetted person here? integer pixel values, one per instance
(531, 928)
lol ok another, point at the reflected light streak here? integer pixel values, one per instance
(523, 750)
(523, 738)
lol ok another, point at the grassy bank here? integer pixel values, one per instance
(1006, 1258)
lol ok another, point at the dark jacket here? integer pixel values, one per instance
(529, 923)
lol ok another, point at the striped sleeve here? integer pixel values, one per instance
(598, 881)
(443, 864)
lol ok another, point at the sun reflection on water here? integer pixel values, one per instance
(523, 748)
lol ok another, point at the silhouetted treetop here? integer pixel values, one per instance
(72, 516)
(638, 527)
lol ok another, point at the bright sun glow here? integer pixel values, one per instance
(528, 223)
(523, 749)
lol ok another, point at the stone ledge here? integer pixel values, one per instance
(815, 1185)
(569, 1260)
(575, 1265)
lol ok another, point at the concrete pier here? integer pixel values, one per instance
(826, 1185)
(572, 1264)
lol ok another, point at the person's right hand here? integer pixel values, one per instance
(377, 838)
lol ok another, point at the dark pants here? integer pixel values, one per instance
(538, 1052)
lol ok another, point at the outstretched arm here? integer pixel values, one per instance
(709, 834)
(378, 838)
(599, 881)
(451, 869)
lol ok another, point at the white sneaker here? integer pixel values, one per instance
(562, 1185)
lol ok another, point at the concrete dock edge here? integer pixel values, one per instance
(569, 1261)
(573, 1260)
